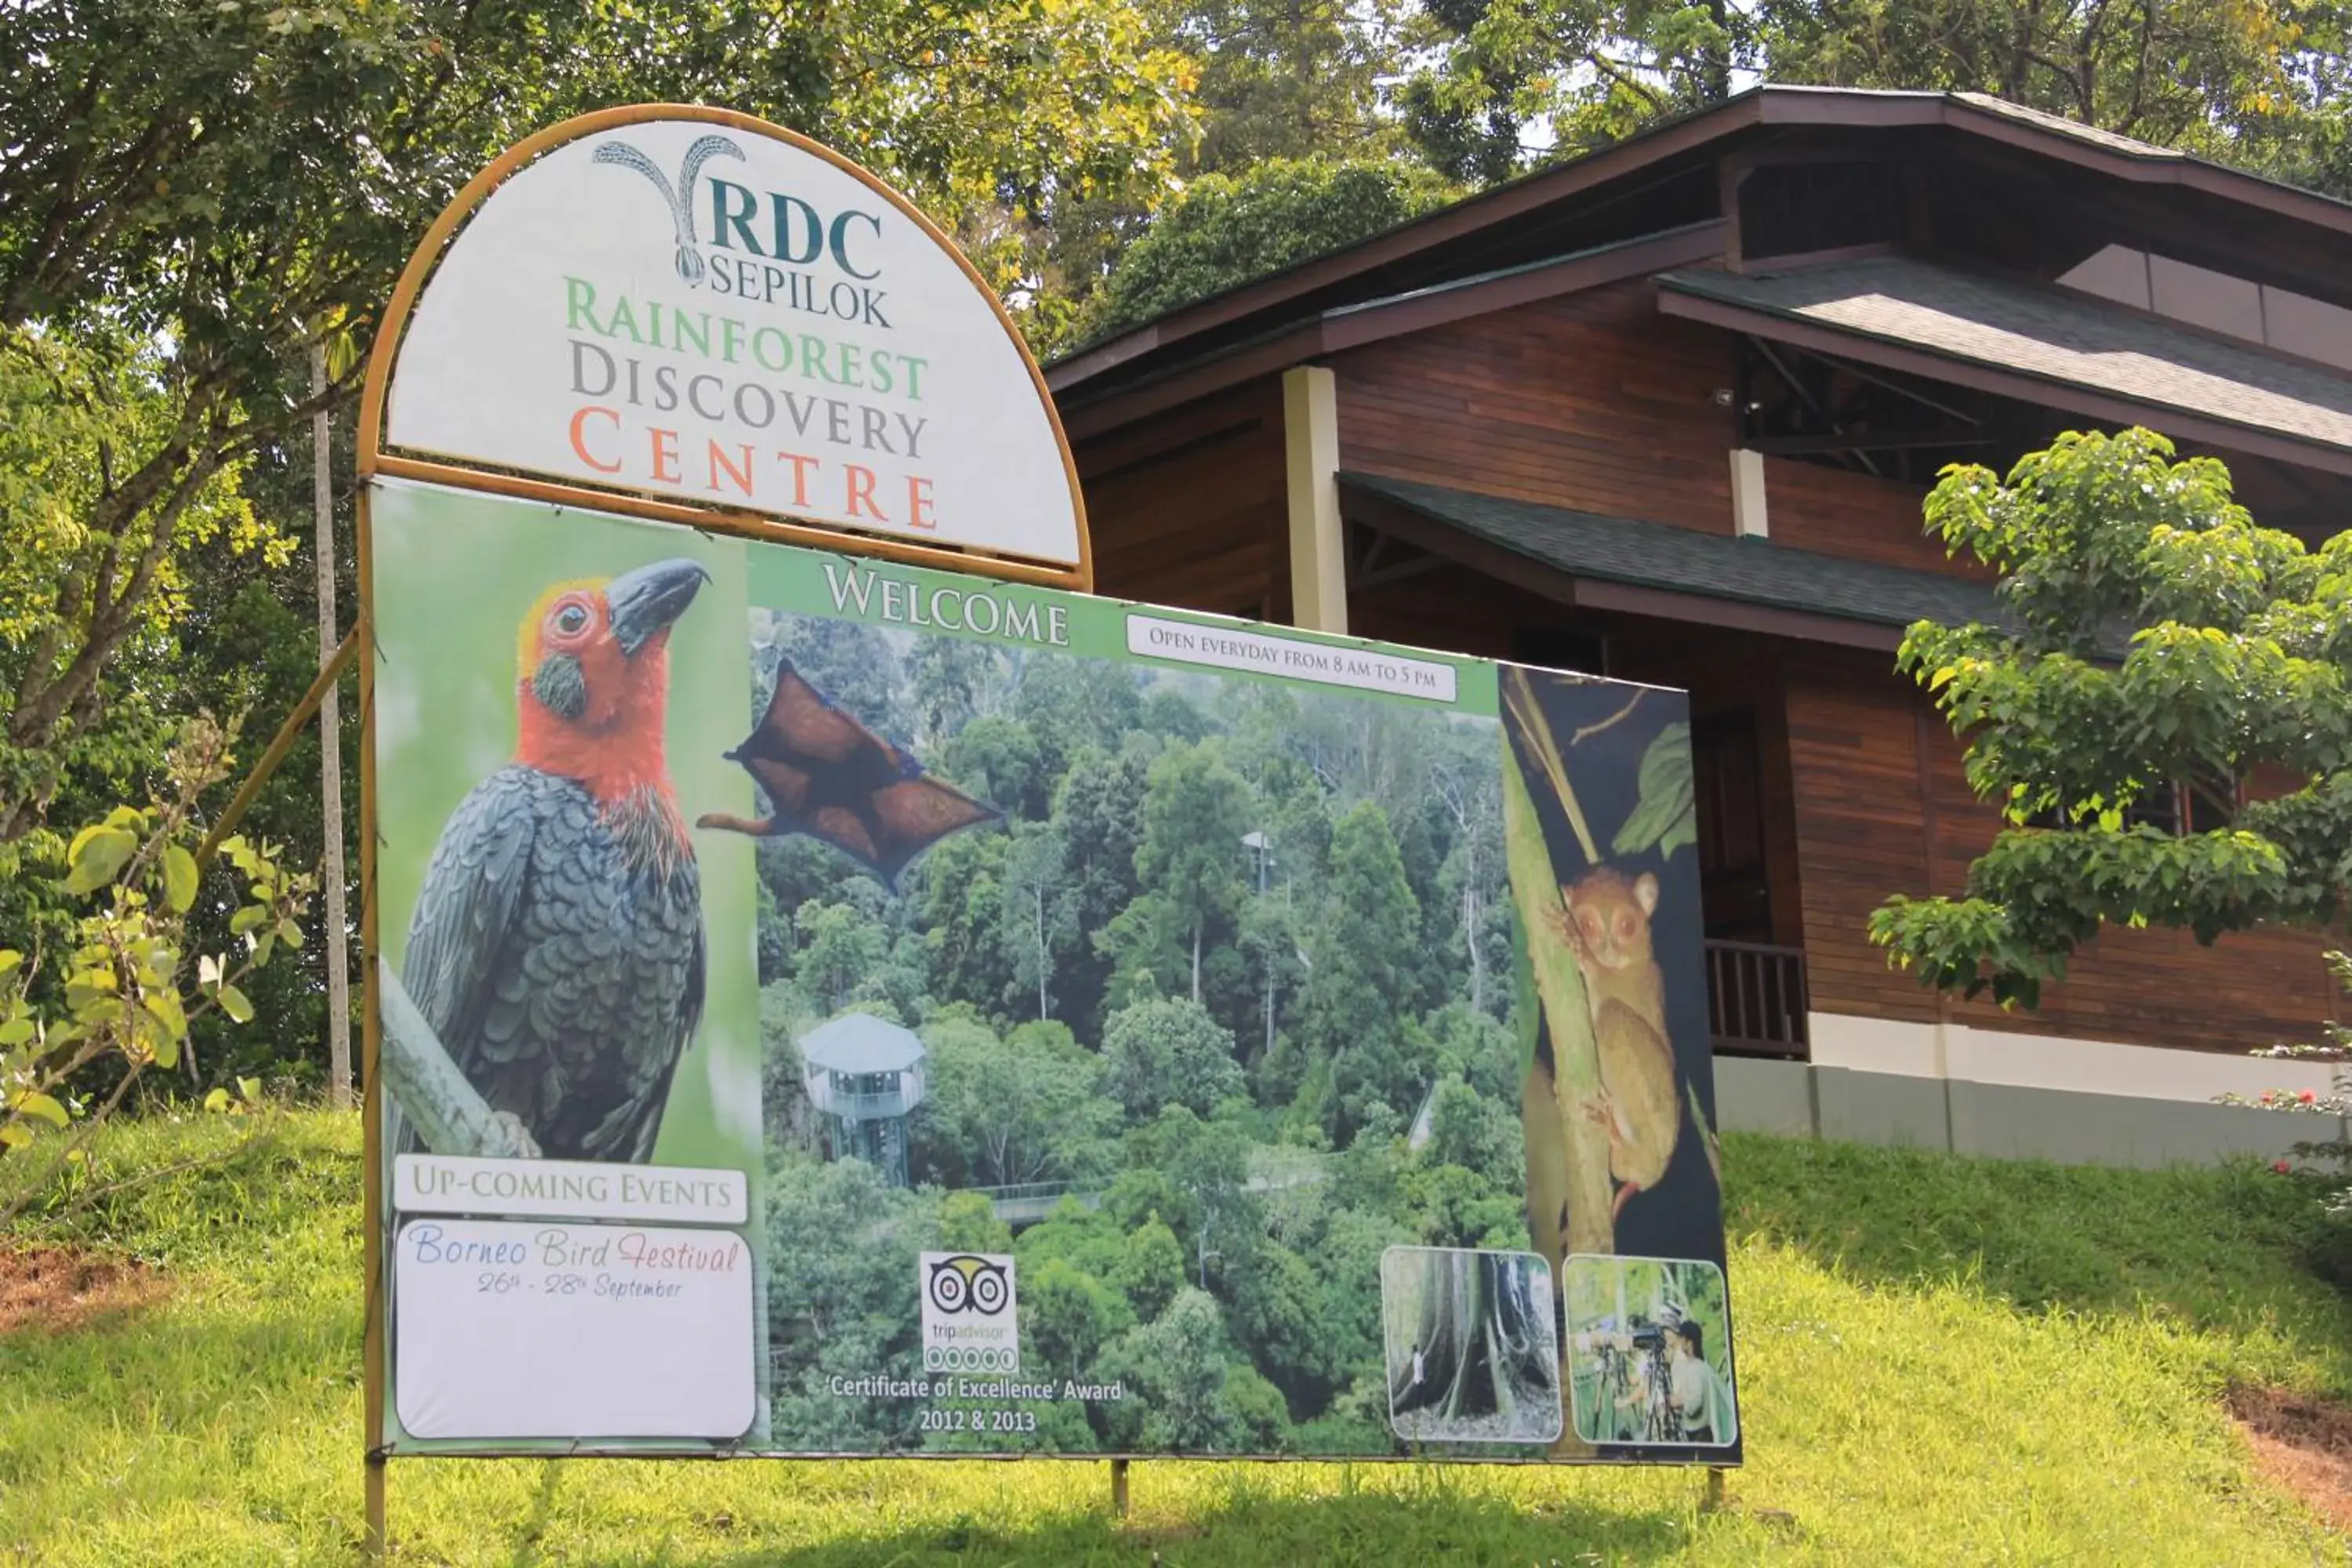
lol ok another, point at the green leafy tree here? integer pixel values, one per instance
(999, 760)
(1275, 1310)
(1479, 1134)
(1195, 811)
(843, 1246)
(1228, 229)
(968, 1223)
(840, 947)
(1023, 1108)
(1090, 1240)
(1073, 705)
(2235, 647)
(1345, 1253)
(1150, 1269)
(1099, 814)
(1169, 1053)
(2248, 84)
(1289, 79)
(125, 992)
(1175, 1368)
(963, 919)
(1038, 906)
(1363, 992)
(1207, 1164)
(950, 678)
(88, 578)
(1068, 1316)
(1260, 1414)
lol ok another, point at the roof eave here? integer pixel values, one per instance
(1774, 106)
(2022, 386)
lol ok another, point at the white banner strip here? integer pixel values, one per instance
(567, 1189)
(546, 1330)
(1329, 664)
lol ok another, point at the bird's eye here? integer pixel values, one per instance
(572, 620)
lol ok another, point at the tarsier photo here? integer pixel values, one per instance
(1606, 915)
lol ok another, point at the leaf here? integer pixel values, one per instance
(233, 1003)
(179, 878)
(97, 856)
(290, 933)
(10, 962)
(165, 1006)
(45, 1106)
(1666, 818)
(250, 1088)
(249, 919)
(14, 1135)
(218, 1101)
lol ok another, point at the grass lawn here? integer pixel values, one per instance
(1939, 1362)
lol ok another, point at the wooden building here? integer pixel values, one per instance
(1668, 412)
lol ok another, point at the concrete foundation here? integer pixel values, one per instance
(1998, 1120)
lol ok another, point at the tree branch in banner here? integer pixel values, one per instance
(1568, 1200)
(449, 1114)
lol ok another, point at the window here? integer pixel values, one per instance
(1788, 209)
(2193, 805)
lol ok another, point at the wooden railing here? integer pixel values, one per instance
(1755, 999)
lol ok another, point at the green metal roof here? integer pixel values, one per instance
(1684, 561)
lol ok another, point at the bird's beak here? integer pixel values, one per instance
(645, 602)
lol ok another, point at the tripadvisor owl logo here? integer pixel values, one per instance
(681, 196)
(970, 1322)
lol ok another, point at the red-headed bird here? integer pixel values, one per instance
(557, 946)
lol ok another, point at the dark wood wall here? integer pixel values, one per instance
(1189, 507)
(1594, 402)
(1836, 511)
(1883, 807)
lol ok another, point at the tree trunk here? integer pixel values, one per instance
(330, 757)
(1470, 940)
(1268, 1047)
(1039, 893)
(1555, 1130)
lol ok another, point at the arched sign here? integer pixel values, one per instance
(690, 314)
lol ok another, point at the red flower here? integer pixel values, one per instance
(2268, 1097)
(2281, 1166)
(2306, 1097)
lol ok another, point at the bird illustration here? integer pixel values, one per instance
(829, 776)
(557, 945)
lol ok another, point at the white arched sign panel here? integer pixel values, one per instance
(712, 313)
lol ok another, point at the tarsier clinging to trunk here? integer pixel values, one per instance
(1605, 915)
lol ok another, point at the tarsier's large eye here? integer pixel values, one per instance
(572, 620)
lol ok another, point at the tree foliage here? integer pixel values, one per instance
(197, 192)
(1228, 229)
(2154, 640)
(125, 992)
(2255, 84)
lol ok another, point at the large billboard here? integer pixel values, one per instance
(831, 1006)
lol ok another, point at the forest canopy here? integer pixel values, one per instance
(1224, 980)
